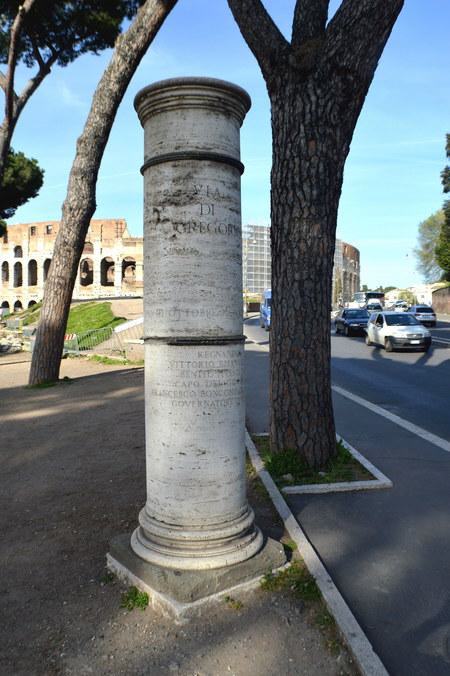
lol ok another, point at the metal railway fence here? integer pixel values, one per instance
(104, 340)
(107, 341)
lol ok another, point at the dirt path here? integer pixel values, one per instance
(72, 475)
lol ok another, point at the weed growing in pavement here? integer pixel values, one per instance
(289, 545)
(107, 578)
(134, 598)
(296, 579)
(235, 604)
(288, 468)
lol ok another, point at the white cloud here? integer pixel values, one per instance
(69, 98)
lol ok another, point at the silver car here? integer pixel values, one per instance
(396, 330)
(424, 313)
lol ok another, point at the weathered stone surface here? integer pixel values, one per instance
(189, 586)
(196, 516)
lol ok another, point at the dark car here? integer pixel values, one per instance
(351, 320)
(424, 313)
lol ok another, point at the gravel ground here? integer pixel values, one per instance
(72, 475)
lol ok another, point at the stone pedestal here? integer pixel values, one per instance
(196, 516)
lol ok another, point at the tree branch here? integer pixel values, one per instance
(16, 30)
(37, 53)
(358, 32)
(260, 32)
(310, 19)
(33, 84)
(3, 81)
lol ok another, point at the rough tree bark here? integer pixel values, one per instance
(317, 84)
(80, 204)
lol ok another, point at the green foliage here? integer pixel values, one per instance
(89, 316)
(340, 467)
(443, 243)
(62, 30)
(408, 296)
(134, 598)
(425, 251)
(295, 579)
(22, 180)
(115, 361)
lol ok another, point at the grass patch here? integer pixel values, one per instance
(82, 316)
(288, 468)
(113, 361)
(232, 603)
(134, 598)
(89, 316)
(296, 579)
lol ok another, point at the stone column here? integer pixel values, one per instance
(196, 516)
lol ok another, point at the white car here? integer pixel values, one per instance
(401, 306)
(396, 330)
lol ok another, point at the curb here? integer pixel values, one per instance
(381, 481)
(367, 660)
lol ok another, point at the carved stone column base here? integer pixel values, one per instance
(201, 548)
(184, 593)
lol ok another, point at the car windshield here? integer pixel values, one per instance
(356, 314)
(401, 320)
(423, 310)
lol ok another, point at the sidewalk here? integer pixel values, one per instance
(72, 475)
(388, 551)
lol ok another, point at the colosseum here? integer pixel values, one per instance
(111, 264)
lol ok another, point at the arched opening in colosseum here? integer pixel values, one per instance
(107, 272)
(5, 307)
(86, 272)
(129, 270)
(18, 306)
(31, 303)
(88, 248)
(46, 267)
(18, 253)
(5, 273)
(18, 279)
(32, 273)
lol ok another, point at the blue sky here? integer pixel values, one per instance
(392, 175)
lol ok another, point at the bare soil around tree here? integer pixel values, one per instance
(72, 476)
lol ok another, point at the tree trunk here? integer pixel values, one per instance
(5, 144)
(306, 185)
(79, 205)
(317, 84)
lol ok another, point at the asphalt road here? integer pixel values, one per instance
(388, 551)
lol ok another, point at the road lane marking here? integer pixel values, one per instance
(409, 426)
(415, 429)
(444, 341)
(367, 660)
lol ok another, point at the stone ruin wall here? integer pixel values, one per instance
(111, 264)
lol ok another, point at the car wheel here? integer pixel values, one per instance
(368, 341)
(388, 345)
(337, 329)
